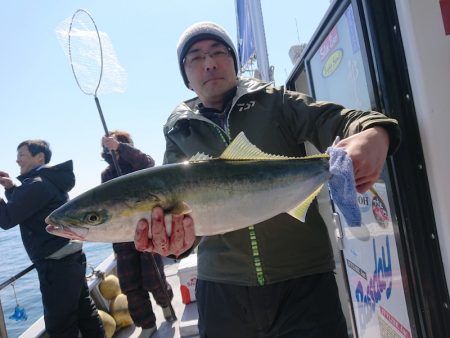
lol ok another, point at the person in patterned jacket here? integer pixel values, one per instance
(135, 269)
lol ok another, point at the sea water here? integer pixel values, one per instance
(14, 259)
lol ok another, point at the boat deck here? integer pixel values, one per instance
(184, 326)
(186, 323)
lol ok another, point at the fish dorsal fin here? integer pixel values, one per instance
(324, 155)
(299, 212)
(200, 157)
(242, 149)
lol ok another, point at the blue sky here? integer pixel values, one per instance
(40, 99)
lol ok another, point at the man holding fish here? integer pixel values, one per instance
(236, 184)
(273, 279)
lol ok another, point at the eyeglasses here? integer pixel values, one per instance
(197, 59)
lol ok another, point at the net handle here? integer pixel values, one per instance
(105, 128)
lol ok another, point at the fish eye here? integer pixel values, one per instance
(92, 218)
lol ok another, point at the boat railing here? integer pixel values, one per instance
(3, 332)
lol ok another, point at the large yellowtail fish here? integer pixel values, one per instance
(243, 187)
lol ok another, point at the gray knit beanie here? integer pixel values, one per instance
(202, 31)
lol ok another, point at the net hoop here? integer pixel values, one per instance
(70, 51)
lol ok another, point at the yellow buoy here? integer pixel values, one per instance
(109, 287)
(119, 311)
(109, 324)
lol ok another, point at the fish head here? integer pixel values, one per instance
(75, 222)
(101, 215)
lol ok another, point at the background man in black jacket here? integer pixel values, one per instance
(60, 262)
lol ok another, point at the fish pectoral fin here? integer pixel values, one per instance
(299, 212)
(181, 208)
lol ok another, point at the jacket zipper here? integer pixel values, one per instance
(257, 262)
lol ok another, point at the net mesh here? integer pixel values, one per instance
(91, 55)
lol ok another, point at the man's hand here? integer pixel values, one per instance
(181, 236)
(5, 180)
(368, 150)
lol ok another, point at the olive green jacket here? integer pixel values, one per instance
(278, 122)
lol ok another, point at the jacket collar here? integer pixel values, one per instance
(189, 109)
(31, 173)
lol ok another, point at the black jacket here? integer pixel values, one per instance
(42, 190)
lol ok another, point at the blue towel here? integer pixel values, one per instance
(342, 185)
